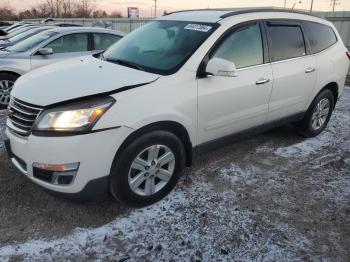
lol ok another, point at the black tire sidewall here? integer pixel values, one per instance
(119, 185)
(7, 76)
(308, 130)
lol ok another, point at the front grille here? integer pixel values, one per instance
(22, 116)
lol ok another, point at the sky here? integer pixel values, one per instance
(147, 6)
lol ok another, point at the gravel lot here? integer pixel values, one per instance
(273, 196)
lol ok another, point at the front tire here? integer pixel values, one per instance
(148, 169)
(318, 115)
(6, 83)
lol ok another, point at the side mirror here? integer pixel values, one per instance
(221, 67)
(45, 51)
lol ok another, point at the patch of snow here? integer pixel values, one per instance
(2, 128)
(187, 225)
(338, 127)
(234, 173)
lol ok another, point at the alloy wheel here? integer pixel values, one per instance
(5, 90)
(151, 170)
(320, 114)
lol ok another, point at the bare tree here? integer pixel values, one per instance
(57, 9)
(83, 8)
(116, 14)
(7, 13)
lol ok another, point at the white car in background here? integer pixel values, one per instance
(129, 121)
(48, 47)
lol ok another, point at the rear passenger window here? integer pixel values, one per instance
(320, 36)
(103, 41)
(243, 47)
(286, 42)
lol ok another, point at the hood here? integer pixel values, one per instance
(4, 53)
(76, 78)
(5, 44)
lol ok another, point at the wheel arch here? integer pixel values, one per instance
(10, 72)
(334, 87)
(170, 126)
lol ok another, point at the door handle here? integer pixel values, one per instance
(310, 70)
(262, 81)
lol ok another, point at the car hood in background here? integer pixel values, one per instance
(5, 44)
(75, 78)
(4, 53)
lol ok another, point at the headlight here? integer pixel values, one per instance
(80, 116)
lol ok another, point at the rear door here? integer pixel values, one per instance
(64, 47)
(103, 41)
(294, 68)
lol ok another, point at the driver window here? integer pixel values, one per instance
(70, 43)
(243, 47)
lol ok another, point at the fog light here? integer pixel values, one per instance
(56, 174)
(57, 167)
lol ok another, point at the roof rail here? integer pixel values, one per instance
(239, 11)
(256, 10)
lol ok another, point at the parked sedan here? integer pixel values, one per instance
(15, 25)
(24, 35)
(18, 31)
(48, 47)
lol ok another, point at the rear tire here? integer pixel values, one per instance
(6, 83)
(318, 115)
(148, 169)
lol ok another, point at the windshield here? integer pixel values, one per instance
(26, 34)
(17, 32)
(31, 42)
(160, 47)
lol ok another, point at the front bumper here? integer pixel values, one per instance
(95, 152)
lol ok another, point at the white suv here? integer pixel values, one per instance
(127, 122)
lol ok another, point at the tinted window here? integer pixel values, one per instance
(286, 42)
(320, 36)
(70, 43)
(103, 41)
(244, 47)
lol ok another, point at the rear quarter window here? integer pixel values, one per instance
(320, 36)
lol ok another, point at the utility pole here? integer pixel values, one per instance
(285, 4)
(312, 5)
(334, 3)
(155, 8)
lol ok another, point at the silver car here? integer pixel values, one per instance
(20, 37)
(48, 47)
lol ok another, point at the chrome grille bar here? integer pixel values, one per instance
(22, 116)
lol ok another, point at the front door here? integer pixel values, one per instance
(64, 47)
(228, 105)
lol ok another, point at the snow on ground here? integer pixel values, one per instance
(2, 128)
(272, 202)
(191, 219)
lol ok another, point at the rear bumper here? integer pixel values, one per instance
(95, 152)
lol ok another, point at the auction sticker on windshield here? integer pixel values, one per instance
(197, 27)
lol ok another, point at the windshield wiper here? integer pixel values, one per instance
(125, 63)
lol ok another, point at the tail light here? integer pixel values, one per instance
(348, 54)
